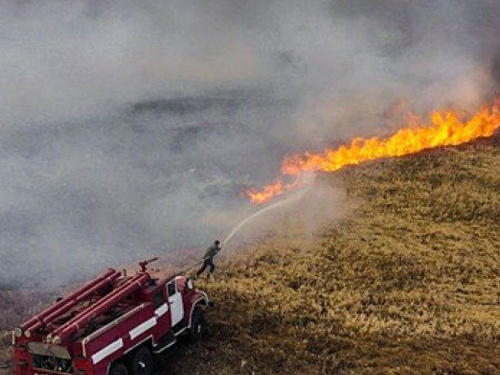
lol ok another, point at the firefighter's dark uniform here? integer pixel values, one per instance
(208, 258)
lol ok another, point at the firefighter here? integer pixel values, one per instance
(208, 258)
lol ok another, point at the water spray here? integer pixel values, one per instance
(237, 228)
(289, 200)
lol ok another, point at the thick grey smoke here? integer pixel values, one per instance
(131, 128)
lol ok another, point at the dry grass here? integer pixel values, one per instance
(408, 282)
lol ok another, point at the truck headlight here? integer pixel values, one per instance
(56, 340)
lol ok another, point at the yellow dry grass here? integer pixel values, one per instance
(408, 282)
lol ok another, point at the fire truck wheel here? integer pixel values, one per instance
(142, 362)
(119, 369)
(198, 327)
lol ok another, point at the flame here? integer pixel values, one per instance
(278, 187)
(445, 129)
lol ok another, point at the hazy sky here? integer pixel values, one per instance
(129, 128)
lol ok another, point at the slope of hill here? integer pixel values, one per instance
(407, 282)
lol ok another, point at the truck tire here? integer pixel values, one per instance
(142, 362)
(198, 328)
(119, 369)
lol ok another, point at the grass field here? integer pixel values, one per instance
(406, 282)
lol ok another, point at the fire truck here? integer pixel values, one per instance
(115, 324)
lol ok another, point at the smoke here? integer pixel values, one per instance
(131, 128)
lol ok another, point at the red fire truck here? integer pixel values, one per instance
(115, 324)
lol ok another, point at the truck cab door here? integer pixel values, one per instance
(175, 301)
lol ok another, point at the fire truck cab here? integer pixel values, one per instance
(114, 324)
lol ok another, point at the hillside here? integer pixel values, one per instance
(406, 282)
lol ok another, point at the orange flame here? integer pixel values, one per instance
(445, 129)
(270, 191)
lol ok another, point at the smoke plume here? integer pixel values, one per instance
(131, 128)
